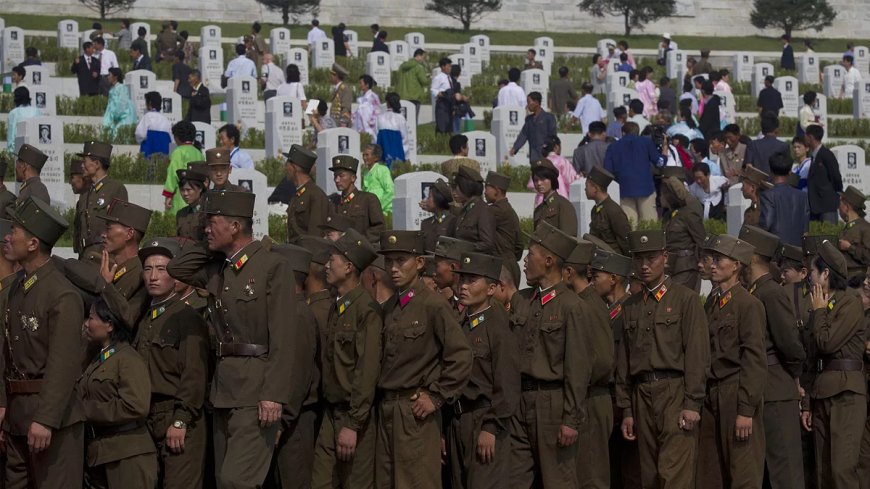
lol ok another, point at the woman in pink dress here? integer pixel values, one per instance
(646, 92)
(567, 173)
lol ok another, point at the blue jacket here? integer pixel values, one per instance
(631, 160)
(785, 212)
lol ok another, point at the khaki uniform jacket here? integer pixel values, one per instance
(617, 325)
(190, 224)
(113, 393)
(320, 303)
(44, 324)
(476, 224)
(308, 329)
(33, 187)
(599, 335)
(126, 295)
(549, 326)
(799, 294)
(857, 256)
(173, 341)
(838, 331)
(508, 242)
(557, 211)
(96, 200)
(752, 215)
(424, 346)
(340, 107)
(737, 330)
(364, 209)
(443, 223)
(785, 352)
(685, 235)
(352, 355)
(7, 199)
(308, 209)
(610, 224)
(665, 329)
(77, 226)
(251, 301)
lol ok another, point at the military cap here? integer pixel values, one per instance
(339, 70)
(498, 180)
(127, 214)
(39, 219)
(553, 239)
(320, 248)
(191, 174)
(677, 172)
(5, 229)
(646, 240)
(854, 197)
(756, 176)
(480, 264)
(198, 166)
(610, 262)
(544, 164)
(217, 156)
(402, 241)
(96, 150)
(344, 162)
(811, 244)
(443, 188)
(765, 243)
(160, 246)
(833, 258)
(469, 173)
(380, 263)
(297, 257)
(337, 222)
(598, 242)
(709, 239)
(581, 254)
(356, 248)
(301, 157)
(451, 248)
(227, 203)
(677, 188)
(791, 252)
(734, 248)
(32, 156)
(601, 177)
(76, 167)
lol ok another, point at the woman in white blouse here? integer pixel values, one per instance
(365, 118)
(293, 86)
(807, 115)
(392, 131)
(710, 190)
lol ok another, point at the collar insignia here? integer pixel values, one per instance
(405, 298)
(614, 313)
(548, 297)
(725, 300)
(29, 282)
(120, 273)
(240, 263)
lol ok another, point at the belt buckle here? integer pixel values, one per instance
(220, 348)
(653, 377)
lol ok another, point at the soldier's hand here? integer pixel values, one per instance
(689, 419)
(818, 298)
(743, 427)
(346, 444)
(269, 412)
(486, 447)
(807, 420)
(38, 437)
(175, 439)
(628, 429)
(845, 244)
(567, 436)
(107, 271)
(423, 405)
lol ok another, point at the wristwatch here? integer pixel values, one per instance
(181, 425)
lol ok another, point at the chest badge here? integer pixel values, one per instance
(249, 288)
(29, 323)
(101, 201)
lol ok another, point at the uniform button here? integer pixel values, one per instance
(16, 338)
(227, 288)
(649, 313)
(647, 329)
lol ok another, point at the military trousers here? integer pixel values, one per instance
(838, 425)
(136, 472)
(294, 455)
(536, 458)
(178, 470)
(864, 458)
(329, 472)
(407, 449)
(52, 468)
(783, 449)
(593, 455)
(243, 450)
(467, 471)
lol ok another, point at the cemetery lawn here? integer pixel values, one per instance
(452, 36)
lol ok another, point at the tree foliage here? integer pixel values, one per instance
(792, 15)
(635, 13)
(292, 8)
(465, 11)
(108, 7)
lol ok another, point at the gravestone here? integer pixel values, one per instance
(378, 67)
(601, 46)
(323, 54)
(862, 59)
(298, 57)
(727, 101)
(43, 98)
(544, 42)
(482, 43)
(415, 40)
(68, 34)
(612, 66)
(759, 71)
(411, 188)
(507, 122)
(205, 134)
(352, 43)
(409, 112)
(546, 52)
(675, 60)
(737, 205)
(617, 79)
(583, 206)
(283, 125)
(741, 70)
(211, 66)
(790, 92)
(46, 133)
(279, 44)
(464, 75)
(37, 76)
(242, 102)
(140, 82)
(399, 53)
(620, 97)
(170, 106)
(210, 35)
(12, 50)
(808, 68)
(331, 143)
(861, 100)
(134, 29)
(833, 80)
(820, 108)
(474, 64)
(536, 81)
(255, 182)
(481, 148)
(853, 167)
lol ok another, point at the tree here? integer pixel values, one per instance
(292, 8)
(792, 15)
(465, 11)
(108, 7)
(635, 13)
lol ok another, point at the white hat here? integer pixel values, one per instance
(666, 35)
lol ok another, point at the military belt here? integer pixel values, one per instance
(31, 386)
(840, 364)
(106, 431)
(240, 350)
(656, 375)
(532, 384)
(397, 394)
(465, 405)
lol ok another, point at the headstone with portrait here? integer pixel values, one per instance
(613, 66)
(255, 182)
(37, 76)
(46, 133)
(411, 188)
(283, 125)
(861, 100)
(68, 34)
(210, 35)
(205, 134)
(583, 206)
(43, 97)
(507, 122)
(464, 76)
(472, 57)
(140, 82)
(170, 106)
(546, 52)
(211, 67)
(332, 143)
(853, 166)
(399, 53)
(279, 44)
(737, 205)
(378, 67)
(759, 72)
(808, 68)
(482, 43)
(134, 29)
(242, 102)
(616, 79)
(536, 81)
(415, 40)
(601, 46)
(727, 102)
(298, 57)
(742, 67)
(620, 97)
(323, 53)
(674, 60)
(833, 80)
(481, 148)
(12, 49)
(790, 91)
(409, 112)
(862, 59)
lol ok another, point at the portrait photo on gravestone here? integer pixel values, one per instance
(343, 144)
(288, 109)
(480, 147)
(514, 117)
(40, 100)
(212, 54)
(143, 82)
(44, 134)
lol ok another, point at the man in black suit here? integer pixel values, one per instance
(141, 61)
(769, 98)
(380, 43)
(824, 182)
(199, 109)
(784, 209)
(87, 69)
(786, 61)
(759, 151)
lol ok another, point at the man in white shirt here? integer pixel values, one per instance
(152, 119)
(230, 138)
(271, 76)
(108, 59)
(635, 114)
(512, 94)
(315, 34)
(588, 109)
(443, 105)
(851, 78)
(242, 65)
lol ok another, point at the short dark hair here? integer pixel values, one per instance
(701, 167)
(117, 73)
(256, 27)
(153, 100)
(597, 127)
(816, 131)
(441, 201)
(31, 51)
(444, 62)
(630, 128)
(195, 72)
(120, 333)
(563, 71)
(619, 112)
(636, 106)
(19, 70)
(701, 146)
(718, 136)
(457, 142)
(707, 87)
(715, 76)
(97, 26)
(780, 164)
(849, 58)
(664, 81)
(232, 132)
(88, 44)
(368, 80)
(315, 22)
(731, 129)
(141, 31)
(418, 52)
(536, 96)
(514, 75)
(623, 57)
(785, 37)
(769, 124)
(835, 280)
(544, 173)
(595, 58)
(293, 75)
(240, 49)
(810, 97)
(125, 22)
(532, 50)
(100, 41)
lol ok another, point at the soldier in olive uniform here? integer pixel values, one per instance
(447, 253)
(785, 356)
(553, 209)
(79, 184)
(442, 222)
(173, 339)
(508, 242)
(41, 358)
(661, 376)
(318, 295)
(27, 168)
(839, 406)
(854, 239)
(738, 367)
(685, 231)
(344, 456)
(7, 198)
(556, 365)
(219, 169)
(426, 362)
(309, 206)
(342, 96)
(363, 208)
(754, 182)
(475, 221)
(113, 393)
(7, 273)
(189, 221)
(335, 226)
(609, 222)
(251, 309)
(102, 191)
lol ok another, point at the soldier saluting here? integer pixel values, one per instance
(103, 190)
